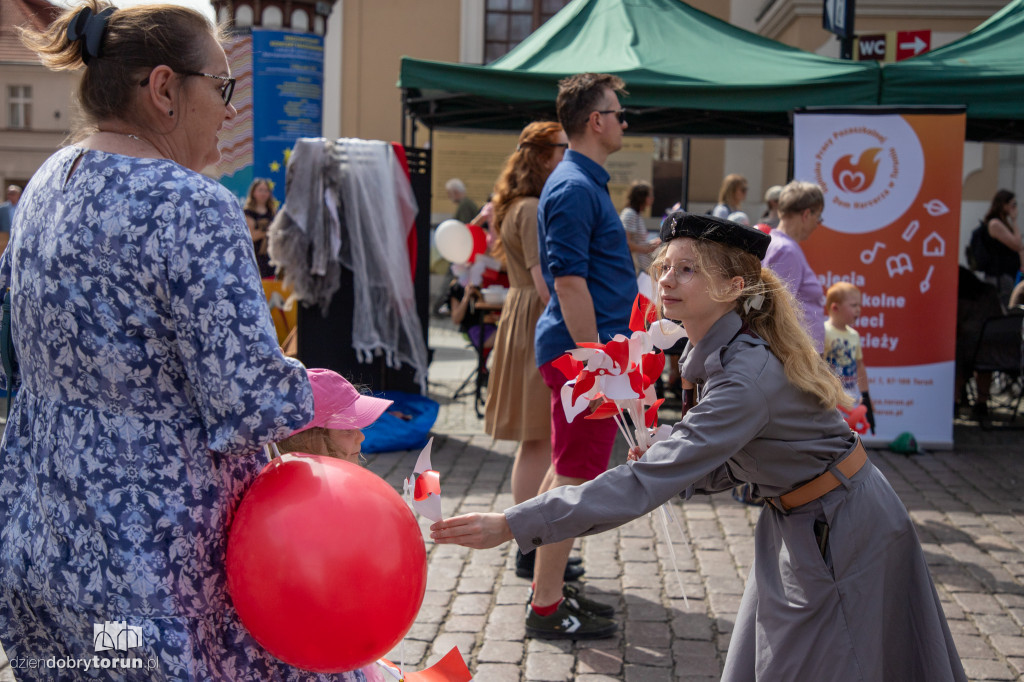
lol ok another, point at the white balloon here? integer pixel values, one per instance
(454, 241)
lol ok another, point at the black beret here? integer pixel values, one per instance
(683, 224)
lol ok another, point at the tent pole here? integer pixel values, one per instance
(405, 121)
(686, 174)
(789, 160)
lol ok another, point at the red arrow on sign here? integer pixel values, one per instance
(912, 43)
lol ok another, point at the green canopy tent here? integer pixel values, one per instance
(687, 73)
(984, 70)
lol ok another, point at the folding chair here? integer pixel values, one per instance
(1000, 349)
(479, 373)
(478, 377)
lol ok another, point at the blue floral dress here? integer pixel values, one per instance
(151, 377)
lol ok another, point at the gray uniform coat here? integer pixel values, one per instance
(864, 609)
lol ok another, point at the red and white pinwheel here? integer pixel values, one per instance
(423, 488)
(451, 668)
(622, 374)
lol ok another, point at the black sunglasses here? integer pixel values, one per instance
(226, 90)
(619, 113)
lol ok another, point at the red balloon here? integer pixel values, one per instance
(326, 564)
(857, 418)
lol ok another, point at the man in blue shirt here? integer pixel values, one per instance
(588, 268)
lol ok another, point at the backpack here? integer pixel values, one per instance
(979, 258)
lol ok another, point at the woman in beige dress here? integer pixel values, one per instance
(518, 401)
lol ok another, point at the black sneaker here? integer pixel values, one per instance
(524, 567)
(589, 605)
(569, 621)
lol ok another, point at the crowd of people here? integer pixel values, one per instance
(772, 362)
(147, 358)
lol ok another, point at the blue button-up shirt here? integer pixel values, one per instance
(580, 235)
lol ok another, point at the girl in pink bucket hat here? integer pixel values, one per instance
(340, 414)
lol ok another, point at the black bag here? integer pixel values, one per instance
(979, 257)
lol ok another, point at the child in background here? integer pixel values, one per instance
(842, 344)
(340, 414)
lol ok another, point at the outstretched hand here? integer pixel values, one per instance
(635, 454)
(477, 531)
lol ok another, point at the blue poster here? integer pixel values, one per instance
(288, 79)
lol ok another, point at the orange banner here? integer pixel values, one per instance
(892, 183)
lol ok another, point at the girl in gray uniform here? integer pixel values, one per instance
(839, 589)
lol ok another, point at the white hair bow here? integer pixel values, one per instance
(754, 302)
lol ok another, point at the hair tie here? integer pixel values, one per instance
(754, 302)
(88, 28)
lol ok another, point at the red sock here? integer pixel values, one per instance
(545, 610)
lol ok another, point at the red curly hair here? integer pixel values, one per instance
(524, 173)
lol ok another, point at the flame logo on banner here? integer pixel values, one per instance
(856, 176)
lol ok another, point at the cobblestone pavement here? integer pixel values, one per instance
(967, 504)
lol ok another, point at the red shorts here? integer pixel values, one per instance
(580, 449)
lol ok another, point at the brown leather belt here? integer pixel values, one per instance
(826, 482)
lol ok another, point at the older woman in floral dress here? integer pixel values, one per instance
(150, 371)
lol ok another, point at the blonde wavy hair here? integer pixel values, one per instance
(778, 321)
(730, 188)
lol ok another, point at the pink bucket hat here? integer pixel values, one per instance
(338, 405)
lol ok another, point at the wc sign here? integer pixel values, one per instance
(871, 47)
(892, 46)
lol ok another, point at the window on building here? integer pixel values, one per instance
(19, 106)
(300, 20)
(273, 17)
(243, 15)
(508, 22)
